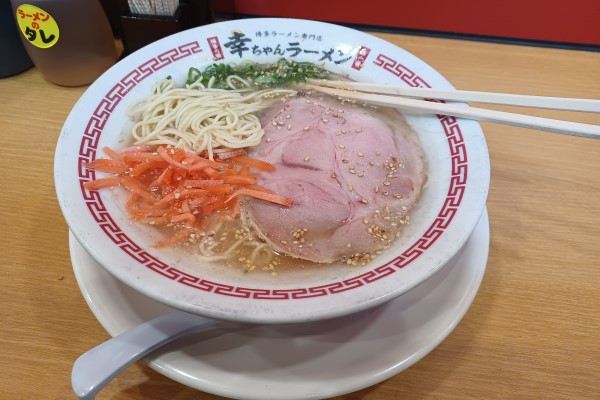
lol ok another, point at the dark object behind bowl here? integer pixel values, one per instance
(139, 30)
(15, 58)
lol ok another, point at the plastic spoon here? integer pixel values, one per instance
(96, 368)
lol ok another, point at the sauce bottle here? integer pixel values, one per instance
(69, 41)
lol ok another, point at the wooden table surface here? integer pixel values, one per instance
(533, 331)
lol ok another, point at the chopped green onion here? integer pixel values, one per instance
(283, 72)
(193, 75)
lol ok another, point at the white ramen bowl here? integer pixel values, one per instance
(450, 206)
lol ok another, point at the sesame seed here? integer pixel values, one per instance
(359, 130)
(361, 154)
(365, 221)
(325, 120)
(364, 201)
(274, 123)
(386, 183)
(342, 146)
(289, 127)
(350, 188)
(306, 158)
(306, 128)
(361, 174)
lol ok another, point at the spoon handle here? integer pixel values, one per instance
(97, 367)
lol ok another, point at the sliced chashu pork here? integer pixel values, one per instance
(352, 173)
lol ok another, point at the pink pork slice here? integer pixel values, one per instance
(352, 173)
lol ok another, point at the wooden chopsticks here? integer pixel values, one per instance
(405, 99)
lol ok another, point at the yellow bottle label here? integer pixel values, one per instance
(37, 26)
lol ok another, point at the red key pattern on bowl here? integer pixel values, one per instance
(89, 147)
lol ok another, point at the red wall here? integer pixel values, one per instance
(572, 21)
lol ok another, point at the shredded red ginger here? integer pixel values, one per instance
(171, 187)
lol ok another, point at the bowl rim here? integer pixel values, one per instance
(459, 164)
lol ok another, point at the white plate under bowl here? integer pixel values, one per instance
(449, 208)
(300, 361)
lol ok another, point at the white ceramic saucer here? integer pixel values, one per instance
(300, 361)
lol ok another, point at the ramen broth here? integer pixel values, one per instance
(241, 244)
(249, 251)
